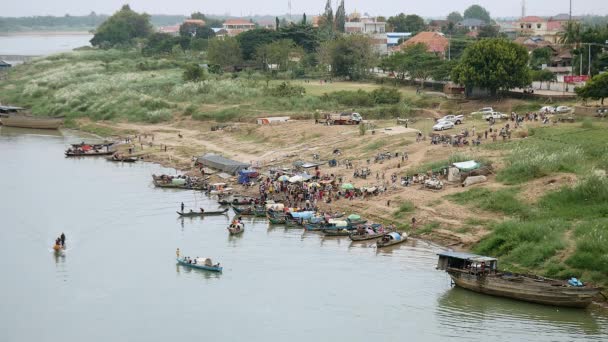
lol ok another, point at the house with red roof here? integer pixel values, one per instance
(238, 25)
(547, 28)
(435, 42)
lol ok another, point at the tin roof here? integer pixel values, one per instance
(466, 256)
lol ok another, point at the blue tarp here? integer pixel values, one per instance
(396, 236)
(305, 215)
(246, 175)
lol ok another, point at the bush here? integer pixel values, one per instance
(587, 123)
(587, 199)
(359, 98)
(386, 95)
(286, 89)
(193, 73)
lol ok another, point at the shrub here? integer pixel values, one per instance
(286, 89)
(587, 199)
(587, 123)
(591, 247)
(386, 95)
(359, 98)
(193, 73)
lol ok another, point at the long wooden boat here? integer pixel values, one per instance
(235, 229)
(244, 211)
(360, 237)
(88, 154)
(205, 213)
(391, 239)
(26, 121)
(237, 202)
(480, 274)
(123, 159)
(213, 268)
(274, 220)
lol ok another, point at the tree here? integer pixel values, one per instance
(276, 23)
(224, 52)
(190, 29)
(305, 36)
(595, 89)
(250, 40)
(277, 53)
(340, 17)
(304, 22)
(406, 23)
(413, 61)
(477, 12)
(327, 22)
(350, 56)
(193, 73)
(488, 31)
(159, 43)
(543, 76)
(493, 64)
(455, 17)
(122, 28)
(539, 57)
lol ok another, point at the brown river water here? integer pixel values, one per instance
(118, 280)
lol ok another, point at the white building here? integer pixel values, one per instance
(370, 27)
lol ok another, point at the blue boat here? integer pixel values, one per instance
(212, 268)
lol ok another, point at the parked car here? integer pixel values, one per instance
(495, 116)
(442, 125)
(563, 109)
(456, 119)
(547, 109)
(484, 110)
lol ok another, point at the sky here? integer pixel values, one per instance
(426, 8)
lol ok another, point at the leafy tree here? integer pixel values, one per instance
(277, 23)
(386, 95)
(539, 57)
(122, 28)
(493, 64)
(193, 73)
(158, 44)
(543, 76)
(406, 23)
(224, 52)
(305, 36)
(350, 56)
(340, 17)
(443, 70)
(196, 30)
(198, 15)
(595, 89)
(277, 53)
(477, 12)
(488, 31)
(250, 40)
(328, 18)
(455, 17)
(413, 61)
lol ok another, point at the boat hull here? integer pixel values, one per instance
(527, 290)
(200, 266)
(30, 122)
(206, 213)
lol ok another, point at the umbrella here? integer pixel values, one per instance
(283, 178)
(354, 217)
(295, 179)
(348, 186)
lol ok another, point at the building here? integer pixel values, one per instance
(236, 26)
(471, 24)
(376, 30)
(435, 42)
(547, 28)
(219, 32)
(172, 30)
(438, 25)
(395, 38)
(4, 65)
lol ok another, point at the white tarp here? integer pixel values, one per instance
(467, 165)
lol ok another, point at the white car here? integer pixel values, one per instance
(563, 109)
(441, 125)
(495, 116)
(547, 109)
(456, 119)
(484, 110)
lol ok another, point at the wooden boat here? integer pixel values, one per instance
(390, 239)
(92, 153)
(480, 274)
(243, 211)
(364, 237)
(259, 211)
(236, 229)
(341, 232)
(161, 182)
(58, 248)
(26, 121)
(200, 266)
(123, 159)
(274, 220)
(235, 201)
(205, 213)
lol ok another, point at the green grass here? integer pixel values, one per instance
(405, 207)
(427, 228)
(502, 201)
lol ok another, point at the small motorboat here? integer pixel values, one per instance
(392, 238)
(58, 248)
(122, 159)
(201, 264)
(249, 211)
(236, 228)
(203, 213)
(333, 232)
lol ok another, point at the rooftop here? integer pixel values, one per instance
(435, 41)
(531, 19)
(465, 256)
(238, 22)
(195, 21)
(472, 22)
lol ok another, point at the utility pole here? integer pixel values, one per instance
(570, 12)
(589, 70)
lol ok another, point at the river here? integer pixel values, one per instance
(118, 280)
(36, 44)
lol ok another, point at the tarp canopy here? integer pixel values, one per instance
(396, 236)
(303, 214)
(354, 217)
(220, 163)
(467, 165)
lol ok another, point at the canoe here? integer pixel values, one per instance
(355, 237)
(392, 238)
(274, 220)
(236, 229)
(200, 266)
(24, 121)
(243, 211)
(342, 232)
(206, 213)
(89, 154)
(236, 202)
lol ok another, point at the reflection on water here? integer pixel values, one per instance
(24, 132)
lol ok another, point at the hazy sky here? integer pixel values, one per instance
(426, 8)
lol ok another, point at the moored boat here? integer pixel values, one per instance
(243, 211)
(92, 153)
(15, 117)
(275, 220)
(390, 239)
(236, 201)
(341, 232)
(480, 274)
(368, 233)
(200, 264)
(122, 159)
(204, 213)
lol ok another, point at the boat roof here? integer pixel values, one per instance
(466, 256)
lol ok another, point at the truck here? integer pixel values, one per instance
(490, 116)
(483, 111)
(343, 119)
(455, 119)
